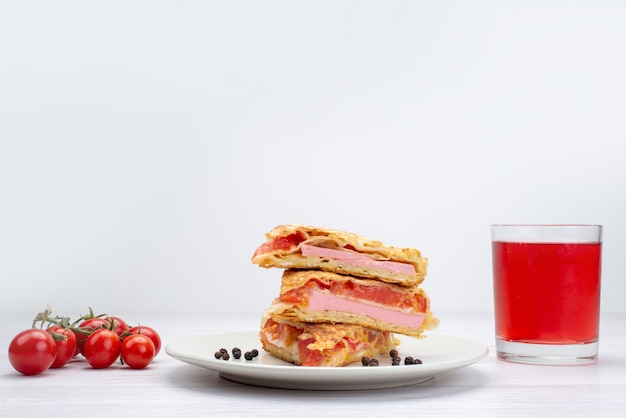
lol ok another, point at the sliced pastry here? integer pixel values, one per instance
(313, 248)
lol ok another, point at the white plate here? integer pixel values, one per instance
(439, 354)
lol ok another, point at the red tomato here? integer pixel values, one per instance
(102, 348)
(309, 357)
(137, 351)
(150, 333)
(65, 347)
(119, 325)
(280, 243)
(32, 351)
(89, 325)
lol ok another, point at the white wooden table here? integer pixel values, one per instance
(172, 388)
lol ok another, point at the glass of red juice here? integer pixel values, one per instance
(546, 283)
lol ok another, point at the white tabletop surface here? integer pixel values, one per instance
(171, 388)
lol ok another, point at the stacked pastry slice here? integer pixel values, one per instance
(342, 296)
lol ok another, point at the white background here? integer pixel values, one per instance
(146, 147)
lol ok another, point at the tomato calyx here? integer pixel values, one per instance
(47, 321)
(58, 336)
(90, 316)
(82, 328)
(45, 318)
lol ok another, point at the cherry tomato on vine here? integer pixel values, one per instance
(137, 351)
(150, 333)
(32, 351)
(89, 325)
(65, 347)
(119, 325)
(102, 348)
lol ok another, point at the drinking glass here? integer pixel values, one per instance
(546, 282)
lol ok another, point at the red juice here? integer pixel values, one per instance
(547, 292)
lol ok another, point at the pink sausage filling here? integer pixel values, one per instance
(357, 259)
(319, 301)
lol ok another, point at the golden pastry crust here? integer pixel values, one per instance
(291, 258)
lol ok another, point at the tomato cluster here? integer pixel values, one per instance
(101, 340)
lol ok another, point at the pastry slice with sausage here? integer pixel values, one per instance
(313, 248)
(324, 297)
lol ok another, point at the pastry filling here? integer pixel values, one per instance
(354, 258)
(377, 301)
